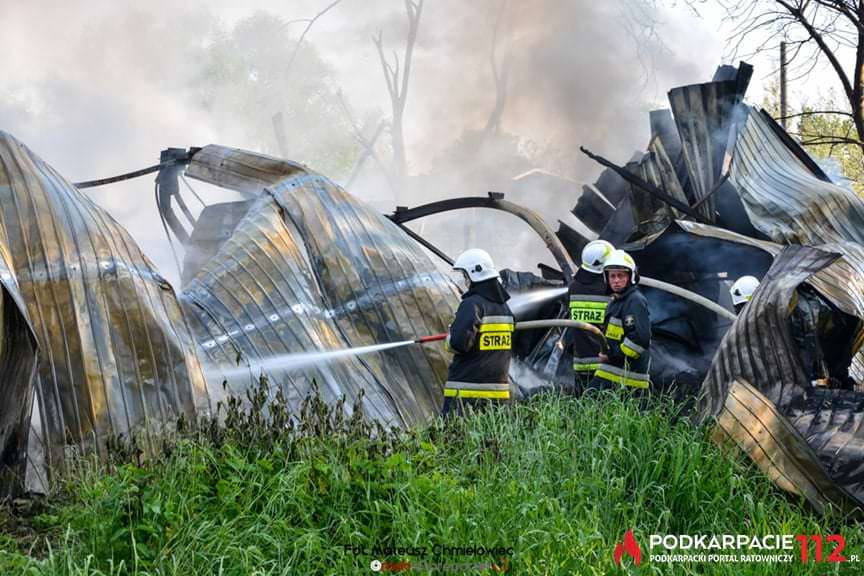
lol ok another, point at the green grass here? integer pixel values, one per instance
(558, 479)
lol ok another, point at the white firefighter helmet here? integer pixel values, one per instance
(477, 264)
(594, 254)
(618, 260)
(743, 288)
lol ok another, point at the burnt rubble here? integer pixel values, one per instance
(765, 208)
(96, 344)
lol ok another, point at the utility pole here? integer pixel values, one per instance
(783, 108)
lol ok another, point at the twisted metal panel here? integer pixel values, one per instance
(310, 268)
(17, 379)
(759, 351)
(782, 196)
(115, 355)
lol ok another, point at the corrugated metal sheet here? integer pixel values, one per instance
(258, 297)
(115, 355)
(310, 268)
(17, 377)
(842, 282)
(759, 350)
(754, 424)
(703, 114)
(656, 167)
(783, 198)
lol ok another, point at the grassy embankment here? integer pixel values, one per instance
(560, 480)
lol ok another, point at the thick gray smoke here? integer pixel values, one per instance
(102, 88)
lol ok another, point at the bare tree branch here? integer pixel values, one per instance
(814, 113)
(813, 29)
(798, 13)
(397, 80)
(500, 78)
(367, 144)
(306, 30)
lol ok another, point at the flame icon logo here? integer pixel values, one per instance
(630, 547)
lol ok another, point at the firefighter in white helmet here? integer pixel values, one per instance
(628, 327)
(742, 291)
(588, 301)
(479, 337)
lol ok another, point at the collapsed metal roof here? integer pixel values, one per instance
(105, 346)
(310, 268)
(114, 348)
(807, 438)
(764, 208)
(117, 351)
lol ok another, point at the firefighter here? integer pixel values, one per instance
(588, 300)
(479, 337)
(742, 291)
(628, 328)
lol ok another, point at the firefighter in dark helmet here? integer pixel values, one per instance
(588, 301)
(627, 330)
(479, 337)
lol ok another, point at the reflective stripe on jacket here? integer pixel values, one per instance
(481, 339)
(628, 334)
(476, 390)
(588, 303)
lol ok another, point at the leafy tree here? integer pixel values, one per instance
(826, 136)
(279, 95)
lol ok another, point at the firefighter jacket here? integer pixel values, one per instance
(628, 334)
(588, 301)
(480, 338)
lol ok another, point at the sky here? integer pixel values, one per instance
(98, 88)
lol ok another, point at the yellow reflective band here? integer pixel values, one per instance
(586, 367)
(495, 341)
(494, 394)
(629, 351)
(587, 304)
(632, 382)
(614, 331)
(496, 327)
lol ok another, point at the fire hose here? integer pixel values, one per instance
(687, 295)
(535, 324)
(562, 323)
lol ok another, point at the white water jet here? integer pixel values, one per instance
(524, 301)
(297, 361)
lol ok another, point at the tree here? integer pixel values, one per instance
(815, 31)
(397, 81)
(278, 94)
(500, 75)
(821, 132)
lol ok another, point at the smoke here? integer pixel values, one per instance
(100, 89)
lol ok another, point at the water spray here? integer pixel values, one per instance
(523, 302)
(306, 359)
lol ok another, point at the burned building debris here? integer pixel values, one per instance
(764, 208)
(117, 352)
(94, 343)
(309, 268)
(113, 345)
